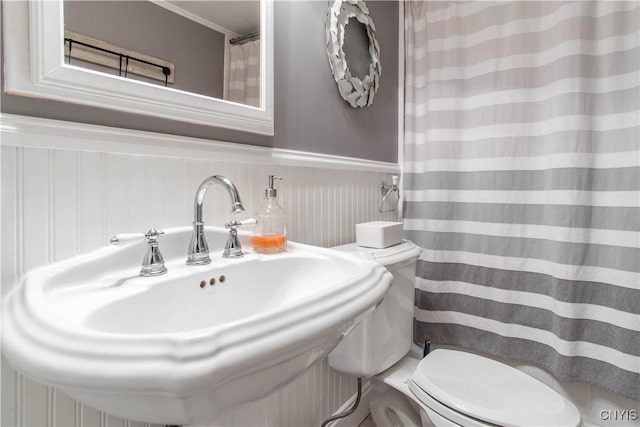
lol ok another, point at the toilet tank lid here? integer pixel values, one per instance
(403, 251)
(491, 391)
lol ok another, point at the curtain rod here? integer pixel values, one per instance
(244, 38)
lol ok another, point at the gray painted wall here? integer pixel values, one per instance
(310, 115)
(196, 51)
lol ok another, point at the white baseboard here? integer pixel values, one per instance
(361, 412)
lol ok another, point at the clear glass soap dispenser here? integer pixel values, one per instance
(270, 234)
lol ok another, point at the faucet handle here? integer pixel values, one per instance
(153, 235)
(233, 248)
(233, 225)
(153, 262)
(126, 238)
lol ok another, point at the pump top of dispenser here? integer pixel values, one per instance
(271, 192)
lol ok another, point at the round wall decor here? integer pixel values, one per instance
(358, 93)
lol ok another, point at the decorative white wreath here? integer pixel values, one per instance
(358, 93)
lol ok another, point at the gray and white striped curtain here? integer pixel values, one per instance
(243, 74)
(522, 182)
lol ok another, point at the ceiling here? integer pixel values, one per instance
(238, 17)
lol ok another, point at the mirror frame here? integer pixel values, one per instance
(35, 67)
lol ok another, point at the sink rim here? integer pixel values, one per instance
(248, 261)
(193, 356)
(81, 328)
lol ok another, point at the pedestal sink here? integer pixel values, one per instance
(182, 347)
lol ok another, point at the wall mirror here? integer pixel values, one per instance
(206, 61)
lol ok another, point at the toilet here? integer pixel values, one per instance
(448, 387)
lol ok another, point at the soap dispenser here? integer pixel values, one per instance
(271, 229)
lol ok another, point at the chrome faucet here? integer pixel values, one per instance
(233, 248)
(153, 262)
(198, 248)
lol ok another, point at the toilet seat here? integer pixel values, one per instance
(486, 392)
(442, 415)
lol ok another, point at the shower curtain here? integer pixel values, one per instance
(522, 175)
(243, 73)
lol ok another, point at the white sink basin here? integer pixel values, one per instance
(166, 350)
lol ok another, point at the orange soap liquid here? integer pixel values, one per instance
(269, 243)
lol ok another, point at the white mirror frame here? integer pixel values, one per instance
(358, 93)
(35, 67)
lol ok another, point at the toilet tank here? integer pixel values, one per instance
(384, 336)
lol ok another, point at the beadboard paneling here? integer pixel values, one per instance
(67, 192)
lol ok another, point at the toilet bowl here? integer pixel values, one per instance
(447, 387)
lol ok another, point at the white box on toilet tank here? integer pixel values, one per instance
(378, 234)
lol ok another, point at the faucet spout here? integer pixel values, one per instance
(198, 248)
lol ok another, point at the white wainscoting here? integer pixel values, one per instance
(67, 188)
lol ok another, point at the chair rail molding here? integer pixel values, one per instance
(63, 135)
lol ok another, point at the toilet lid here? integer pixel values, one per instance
(400, 252)
(491, 391)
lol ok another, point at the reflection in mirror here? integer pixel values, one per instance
(211, 48)
(34, 66)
